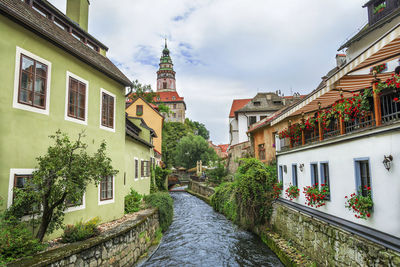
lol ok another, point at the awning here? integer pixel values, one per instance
(385, 49)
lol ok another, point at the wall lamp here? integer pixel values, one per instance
(387, 161)
(301, 167)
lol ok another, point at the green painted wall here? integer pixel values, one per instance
(134, 149)
(24, 134)
(78, 11)
(145, 133)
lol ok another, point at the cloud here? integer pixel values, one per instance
(226, 49)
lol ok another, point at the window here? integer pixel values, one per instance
(164, 85)
(136, 169)
(107, 110)
(75, 205)
(174, 106)
(314, 174)
(32, 82)
(263, 117)
(174, 115)
(294, 174)
(173, 98)
(22, 181)
(76, 99)
(280, 178)
(257, 103)
(252, 120)
(158, 98)
(106, 188)
(363, 178)
(145, 169)
(139, 110)
(261, 152)
(325, 176)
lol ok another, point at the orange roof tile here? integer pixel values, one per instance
(224, 148)
(168, 97)
(237, 104)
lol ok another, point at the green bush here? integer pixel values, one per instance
(133, 201)
(16, 240)
(161, 177)
(217, 175)
(80, 231)
(248, 199)
(165, 204)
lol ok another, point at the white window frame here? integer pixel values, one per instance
(17, 105)
(134, 170)
(109, 201)
(101, 108)
(141, 160)
(66, 117)
(14, 172)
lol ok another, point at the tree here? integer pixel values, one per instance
(198, 128)
(172, 133)
(142, 90)
(163, 109)
(62, 176)
(192, 148)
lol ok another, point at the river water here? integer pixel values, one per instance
(199, 236)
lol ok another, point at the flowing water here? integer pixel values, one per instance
(199, 236)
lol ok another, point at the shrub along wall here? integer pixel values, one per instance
(326, 244)
(121, 246)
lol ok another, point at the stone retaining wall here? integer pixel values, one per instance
(329, 245)
(120, 246)
(200, 189)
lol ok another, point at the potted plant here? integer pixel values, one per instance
(379, 8)
(390, 84)
(278, 187)
(315, 196)
(359, 204)
(292, 192)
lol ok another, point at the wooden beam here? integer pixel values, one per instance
(377, 103)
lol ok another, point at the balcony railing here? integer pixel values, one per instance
(389, 112)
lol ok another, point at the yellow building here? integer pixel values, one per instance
(139, 108)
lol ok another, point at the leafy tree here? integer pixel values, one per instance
(61, 177)
(161, 177)
(163, 109)
(142, 90)
(217, 174)
(198, 128)
(172, 133)
(192, 148)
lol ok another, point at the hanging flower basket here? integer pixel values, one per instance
(315, 196)
(379, 68)
(392, 83)
(360, 205)
(292, 192)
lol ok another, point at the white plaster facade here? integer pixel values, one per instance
(341, 155)
(238, 127)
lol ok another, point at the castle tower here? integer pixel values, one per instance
(166, 73)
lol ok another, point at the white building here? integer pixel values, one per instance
(364, 152)
(245, 112)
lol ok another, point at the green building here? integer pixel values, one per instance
(55, 75)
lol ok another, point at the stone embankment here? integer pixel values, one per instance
(120, 246)
(201, 189)
(327, 244)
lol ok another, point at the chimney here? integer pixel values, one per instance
(340, 60)
(78, 11)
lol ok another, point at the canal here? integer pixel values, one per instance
(199, 236)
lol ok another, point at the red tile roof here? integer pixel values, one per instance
(168, 97)
(237, 104)
(224, 148)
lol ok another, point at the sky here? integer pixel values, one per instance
(226, 49)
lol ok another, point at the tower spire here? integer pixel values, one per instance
(166, 73)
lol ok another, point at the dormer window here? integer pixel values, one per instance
(379, 9)
(173, 98)
(257, 103)
(379, 6)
